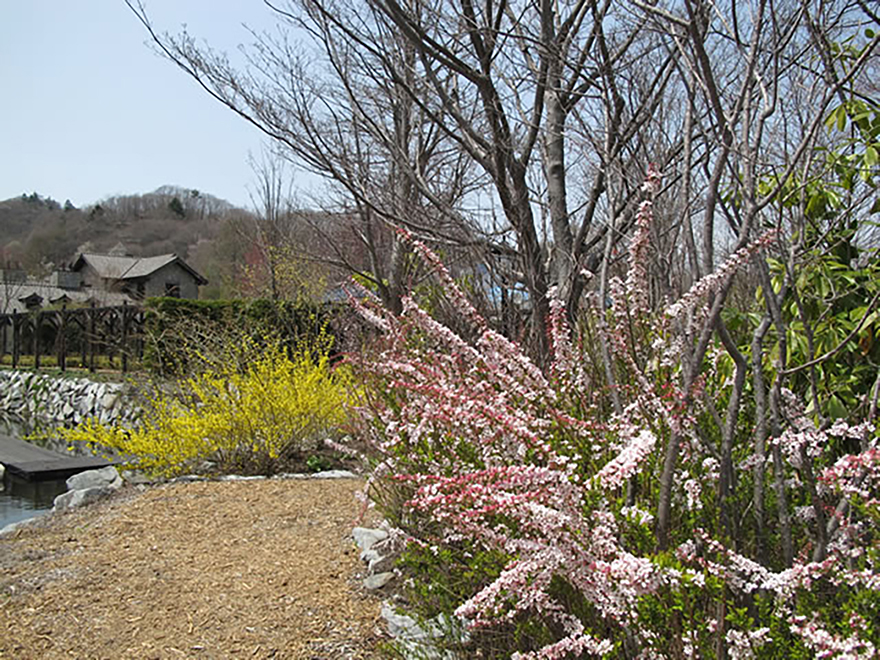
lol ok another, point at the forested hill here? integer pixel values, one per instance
(36, 231)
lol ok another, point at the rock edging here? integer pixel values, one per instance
(87, 487)
(379, 551)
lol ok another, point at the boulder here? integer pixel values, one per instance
(377, 549)
(378, 580)
(416, 643)
(106, 477)
(401, 625)
(366, 538)
(380, 563)
(77, 498)
(335, 474)
(370, 556)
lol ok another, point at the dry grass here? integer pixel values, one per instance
(255, 569)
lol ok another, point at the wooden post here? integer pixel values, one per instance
(83, 340)
(16, 338)
(62, 339)
(109, 334)
(38, 321)
(125, 319)
(3, 336)
(91, 336)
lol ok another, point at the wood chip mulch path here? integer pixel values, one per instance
(242, 569)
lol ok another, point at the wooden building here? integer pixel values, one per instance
(138, 277)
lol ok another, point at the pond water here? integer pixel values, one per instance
(21, 499)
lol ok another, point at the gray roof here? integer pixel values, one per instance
(13, 294)
(127, 268)
(107, 266)
(148, 265)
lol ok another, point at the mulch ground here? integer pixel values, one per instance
(243, 569)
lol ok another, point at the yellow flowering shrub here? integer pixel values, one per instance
(245, 419)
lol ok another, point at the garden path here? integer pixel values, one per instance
(256, 569)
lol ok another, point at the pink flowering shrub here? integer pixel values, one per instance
(532, 506)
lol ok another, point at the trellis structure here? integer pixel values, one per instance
(88, 332)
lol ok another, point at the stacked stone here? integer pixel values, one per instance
(62, 400)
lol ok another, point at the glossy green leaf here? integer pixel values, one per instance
(836, 409)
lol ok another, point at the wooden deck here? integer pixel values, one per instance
(38, 464)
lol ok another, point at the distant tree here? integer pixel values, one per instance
(143, 222)
(176, 207)
(11, 252)
(96, 212)
(275, 265)
(11, 282)
(46, 245)
(373, 142)
(221, 258)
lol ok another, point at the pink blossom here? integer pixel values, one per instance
(565, 366)
(492, 451)
(827, 645)
(743, 645)
(370, 309)
(713, 281)
(637, 277)
(693, 491)
(627, 462)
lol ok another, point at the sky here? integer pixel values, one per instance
(89, 111)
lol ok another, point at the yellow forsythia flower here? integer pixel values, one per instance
(241, 418)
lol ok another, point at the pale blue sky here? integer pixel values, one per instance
(89, 111)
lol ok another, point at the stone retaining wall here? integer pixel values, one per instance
(63, 400)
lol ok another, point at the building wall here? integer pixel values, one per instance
(172, 274)
(91, 278)
(154, 284)
(66, 279)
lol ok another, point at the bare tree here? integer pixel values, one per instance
(12, 281)
(527, 76)
(271, 229)
(340, 116)
(413, 111)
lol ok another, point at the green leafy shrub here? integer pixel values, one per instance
(177, 330)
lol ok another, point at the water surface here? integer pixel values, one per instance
(21, 499)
